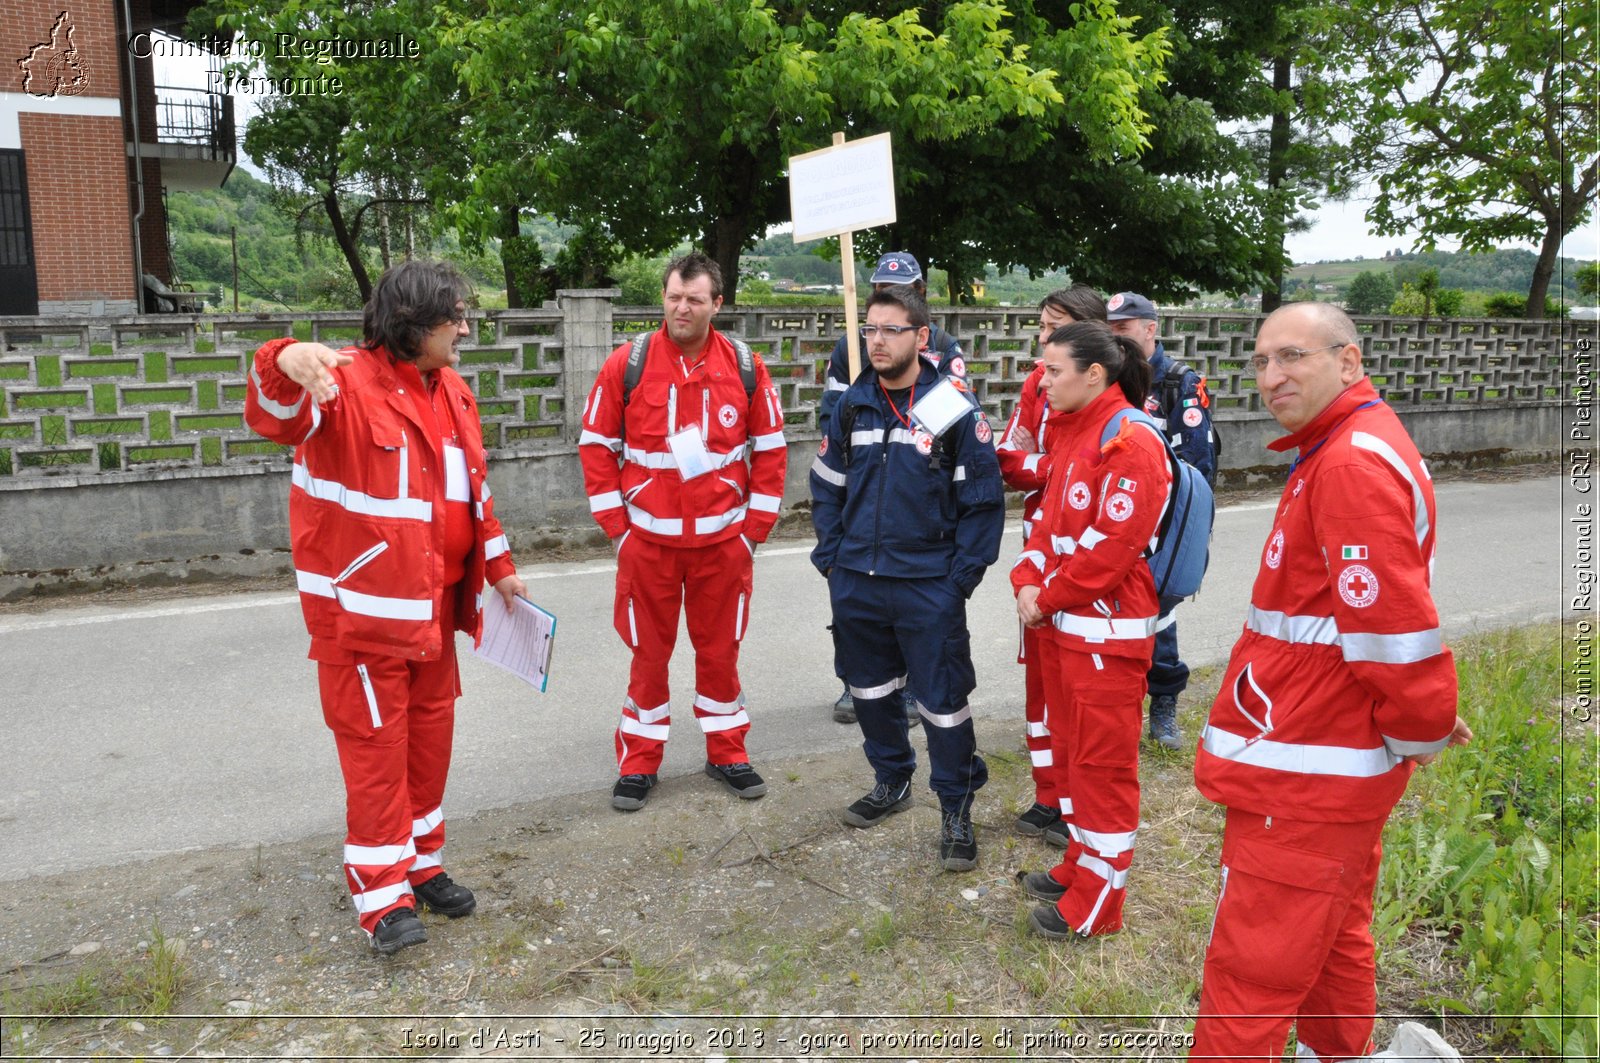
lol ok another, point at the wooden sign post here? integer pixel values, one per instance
(835, 191)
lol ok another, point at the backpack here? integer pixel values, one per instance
(641, 347)
(1172, 394)
(1182, 543)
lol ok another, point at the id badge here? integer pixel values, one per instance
(689, 451)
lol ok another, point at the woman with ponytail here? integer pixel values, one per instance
(1082, 581)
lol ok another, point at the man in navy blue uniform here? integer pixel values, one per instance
(942, 349)
(907, 521)
(1177, 399)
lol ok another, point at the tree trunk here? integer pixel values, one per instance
(510, 230)
(347, 244)
(725, 237)
(1277, 176)
(1543, 270)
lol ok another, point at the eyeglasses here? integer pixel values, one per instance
(871, 331)
(457, 317)
(1288, 356)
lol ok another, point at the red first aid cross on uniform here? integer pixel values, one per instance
(1358, 586)
(1119, 507)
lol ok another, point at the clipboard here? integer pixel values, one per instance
(521, 642)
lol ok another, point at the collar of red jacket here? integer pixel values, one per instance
(1341, 407)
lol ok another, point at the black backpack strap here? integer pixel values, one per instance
(1172, 386)
(747, 366)
(637, 354)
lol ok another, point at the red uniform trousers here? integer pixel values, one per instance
(711, 584)
(1098, 706)
(1036, 717)
(1292, 940)
(393, 721)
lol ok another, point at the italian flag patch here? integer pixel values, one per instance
(1125, 484)
(1355, 553)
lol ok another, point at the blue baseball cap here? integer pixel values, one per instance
(897, 267)
(1125, 306)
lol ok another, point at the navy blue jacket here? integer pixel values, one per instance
(945, 348)
(1194, 442)
(884, 507)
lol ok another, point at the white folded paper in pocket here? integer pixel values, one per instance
(689, 451)
(942, 407)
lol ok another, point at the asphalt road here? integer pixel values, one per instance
(130, 732)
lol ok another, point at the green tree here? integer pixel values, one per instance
(1589, 279)
(1369, 293)
(1476, 119)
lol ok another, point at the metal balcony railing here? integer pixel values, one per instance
(196, 117)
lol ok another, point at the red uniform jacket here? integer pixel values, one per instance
(1101, 508)
(1023, 471)
(366, 503)
(1341, 669)
(743, 437)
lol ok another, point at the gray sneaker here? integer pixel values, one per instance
(1164, 721)
(844, 710)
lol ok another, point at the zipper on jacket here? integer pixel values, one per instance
(360, 562)
(405, 466)
(877, 514)
(372, 698)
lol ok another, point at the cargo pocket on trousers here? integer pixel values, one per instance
(622, 614)
(1275, 917)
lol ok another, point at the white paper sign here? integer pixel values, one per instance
(941, 407)
(689, 451)
(841, 189)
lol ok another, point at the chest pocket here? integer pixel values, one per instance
(386, 459)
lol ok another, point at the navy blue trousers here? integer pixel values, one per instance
(888, 632)
(1168, 674)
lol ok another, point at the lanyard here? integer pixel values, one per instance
(1295, 464)
(905, 420)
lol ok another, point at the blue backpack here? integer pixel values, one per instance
(1182, 543)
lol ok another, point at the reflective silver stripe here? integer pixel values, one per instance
(902, 436)
(1038, 730)
(1095, 627)
(818, 469)
(1164, 622)
(1031, 462)
(426, 860)
(1116, 879)
(275, 409)
(316, 422)
(378, 855)
(495, 547)
(364, 604)
(882, 690)
(1304, 759)
(960, 474)
(1402, 748)
(1308, 630)
(713, 724)
(768, 441)
(738, 614)
(1042, 758)
(946, 719)
(1091, 538)
(866, 437)
(1063, 545)
(604, 501)
(1368, 441)
(457, 488)
(660, 525)
(655, 715)
(1406, 647)
(663, 459)
(1106, 844)
(588, 438)
(425, 825)
(372, 709)
(721, 708)
(1066, 806)
(644, 730)
(764, 503)
(1033, 557)
(709, 525)
(419, 509)
(374, 900)
(836, 385)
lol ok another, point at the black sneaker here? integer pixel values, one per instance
(631, 791)
(913, 713)
(1040, 886)
(844, 710)
(958, 845)
(874, 808)
(1056, 834)
(399, 928)
(740, 779)
(1033, 822)
(1164, 721)
(445, 897)
(1047, 922)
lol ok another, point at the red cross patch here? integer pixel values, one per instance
(983, 432)
(1078, 495)
(1275, 549)
(1358, 586)
(1119, 507)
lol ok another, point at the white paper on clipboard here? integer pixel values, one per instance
(942, 407)
(520, 642)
